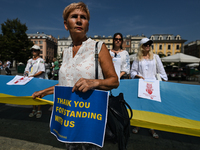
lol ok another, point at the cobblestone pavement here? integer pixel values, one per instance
(19, 132)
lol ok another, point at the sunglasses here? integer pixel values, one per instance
(116, 39)
(35, 50)
(146, 44)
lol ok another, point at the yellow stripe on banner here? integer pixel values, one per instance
(22, 100)
(165, 123)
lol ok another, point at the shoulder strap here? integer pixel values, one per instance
(96, 60)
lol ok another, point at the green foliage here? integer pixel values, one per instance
(14, 42)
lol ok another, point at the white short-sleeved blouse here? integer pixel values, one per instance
(125, 60)
(148, 69)
(81, 66)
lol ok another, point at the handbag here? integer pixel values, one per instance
(157, 74)
(118, 119)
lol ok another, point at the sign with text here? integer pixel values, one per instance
(79, 117)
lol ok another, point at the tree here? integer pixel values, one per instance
(14, 42)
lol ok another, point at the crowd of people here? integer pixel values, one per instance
(77, 69)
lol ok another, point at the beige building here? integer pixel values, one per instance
(135, 40)
(63, 43)
(107, 40)
(47, 44)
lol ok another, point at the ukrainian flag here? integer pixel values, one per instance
(178, 111)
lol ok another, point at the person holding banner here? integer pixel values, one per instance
(118, 52)
(35, 68)
(146, 66)
(78, 69)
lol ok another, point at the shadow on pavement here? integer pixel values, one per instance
(16, 124)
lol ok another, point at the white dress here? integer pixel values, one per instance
(81, 66)
(148, 68)
(125, 60)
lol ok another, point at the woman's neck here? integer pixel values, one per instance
(145, 53)
(78, 41)
(117, 49)
(35, 57)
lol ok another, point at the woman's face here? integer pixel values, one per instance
(77, 22)
(35, 53)
(118, 40)
(146, 47)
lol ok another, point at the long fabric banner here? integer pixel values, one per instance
(177, 112)
(79, 117)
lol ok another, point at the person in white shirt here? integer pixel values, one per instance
(35, 68)
(78, 69)
(146, 66)
(118, 52)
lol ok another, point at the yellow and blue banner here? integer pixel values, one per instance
(177, 112)
(79, 117)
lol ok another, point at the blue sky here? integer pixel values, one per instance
(130, 17)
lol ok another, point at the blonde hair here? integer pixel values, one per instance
(72, 7)
(140, 54)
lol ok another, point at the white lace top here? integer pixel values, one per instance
(81, 66)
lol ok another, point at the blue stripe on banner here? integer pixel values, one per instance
(25, 90)
(179, 100)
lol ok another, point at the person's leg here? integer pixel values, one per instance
(39, 112)
(135, 130)
(33, 113)
(154, 134)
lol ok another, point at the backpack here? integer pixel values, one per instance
(118, 120)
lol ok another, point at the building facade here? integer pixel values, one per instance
(63, 43)
(193, 48)
(167, 44)
(135, 40)
(47, 44)
(107, 40)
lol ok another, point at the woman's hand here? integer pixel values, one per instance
(140, 77)
(84, 85)
(38, 94)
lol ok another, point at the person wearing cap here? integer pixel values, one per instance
(35, 68)
(146, 66)
(118, 52)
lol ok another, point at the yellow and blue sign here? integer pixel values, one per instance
(79, 117)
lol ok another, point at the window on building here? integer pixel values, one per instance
(168, 54)
(169, 47)
(41, 42)
(108, 46)
(152, 46)
(127, 42)
(61, 49)
(160, 47)
(177, 47)
(36, 42)
(41, 47)
(41, 52)
(169, 38)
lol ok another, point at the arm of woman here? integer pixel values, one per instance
(44, 92)
(110, 80)
(37, 74)
(134, 70)
(161, 69)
